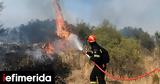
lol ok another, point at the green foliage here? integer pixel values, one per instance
(124, 52)
(146, 41)
(83, 30)
(157, 36)
(2, 31)
(132, 32)
(107, 35)
(37, 31)
(125, 57)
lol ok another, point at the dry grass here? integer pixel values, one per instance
(149, 65)
(81, 76)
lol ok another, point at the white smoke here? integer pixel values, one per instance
(36, 53)
(59, 45)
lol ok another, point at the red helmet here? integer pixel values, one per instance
(92, 38)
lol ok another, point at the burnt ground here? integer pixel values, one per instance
(14, 57)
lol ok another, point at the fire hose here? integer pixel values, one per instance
(108, 75)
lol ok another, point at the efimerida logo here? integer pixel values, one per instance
(22, 78)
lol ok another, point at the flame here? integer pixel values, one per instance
(48, 48)
(62, 31)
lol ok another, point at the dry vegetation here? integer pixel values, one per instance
(80, 74)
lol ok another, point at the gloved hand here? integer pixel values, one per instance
(89, 53)
(91, 56)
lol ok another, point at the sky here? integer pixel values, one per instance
(143, 14)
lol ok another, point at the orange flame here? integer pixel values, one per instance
(48, 48)
(62, 31)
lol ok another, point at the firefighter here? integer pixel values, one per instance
(100, 56)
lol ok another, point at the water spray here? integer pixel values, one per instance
(74, 41)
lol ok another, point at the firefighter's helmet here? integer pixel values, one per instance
(92, 38)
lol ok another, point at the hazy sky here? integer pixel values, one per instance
(121, 13)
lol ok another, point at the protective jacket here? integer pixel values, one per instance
(101, 57)
(98, 54)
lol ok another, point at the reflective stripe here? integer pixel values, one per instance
(96, 55)
(100, 50)
(93, 82)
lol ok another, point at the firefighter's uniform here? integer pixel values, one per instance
(100, 56)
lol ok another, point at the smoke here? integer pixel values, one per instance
(35, 53)
(41, 9)
(140, 13)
